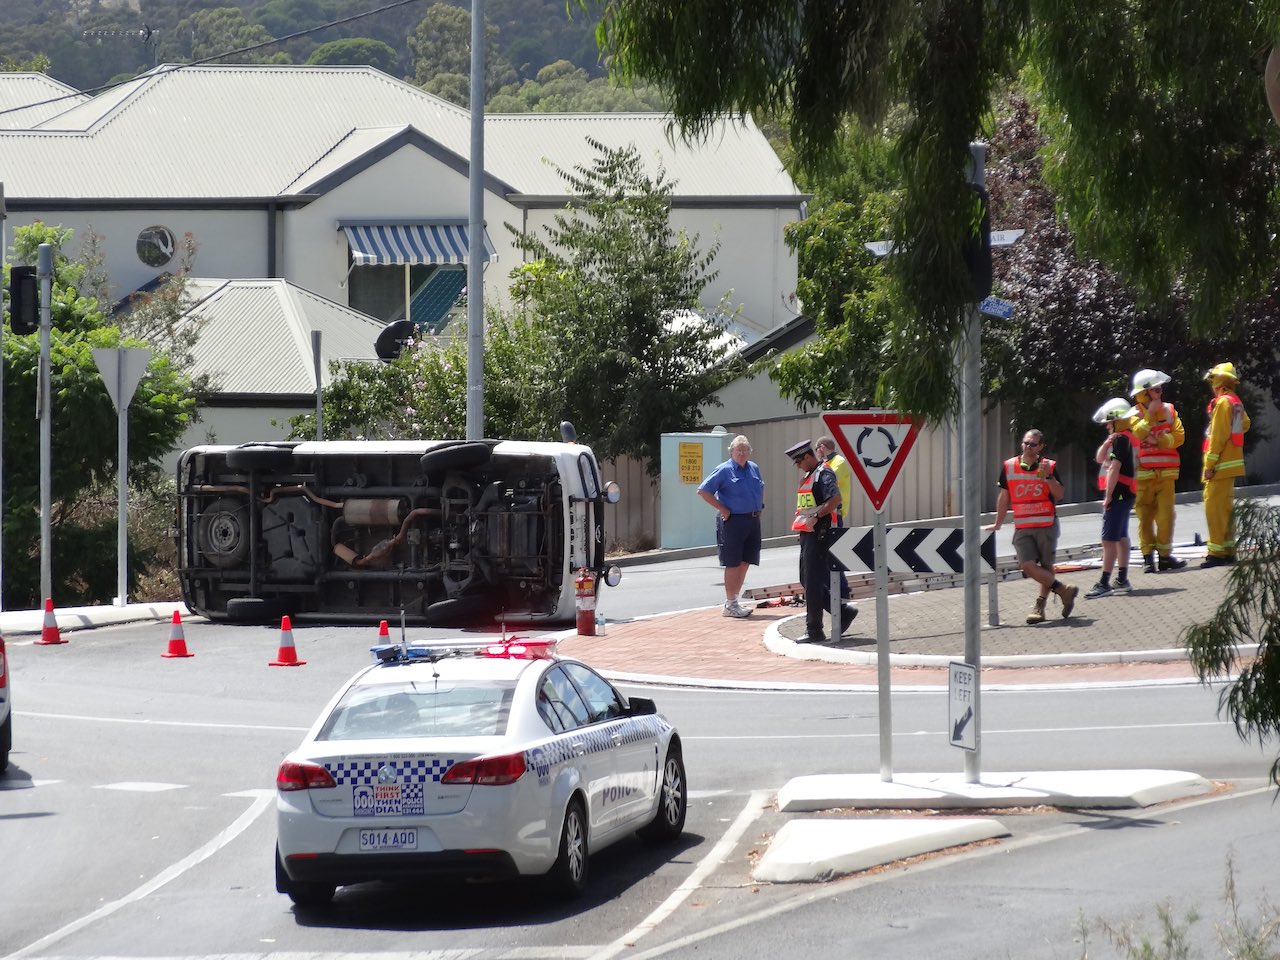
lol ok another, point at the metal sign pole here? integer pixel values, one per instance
(44, 272)
(882, 651)
(315, 357)
(971, 415)
(122, 487)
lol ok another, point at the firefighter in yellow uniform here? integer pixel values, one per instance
(1158, 432)
(1223, 461)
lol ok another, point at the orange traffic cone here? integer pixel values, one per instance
(177, 642)
(287, 654)
(49, 632)
(384, 635)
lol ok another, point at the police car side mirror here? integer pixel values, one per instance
(642, 707)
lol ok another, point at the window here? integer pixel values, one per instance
(386, 711)
(559, 702)
(602, 700)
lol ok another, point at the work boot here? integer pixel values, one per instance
(1148, 563)
(1067, 594)
(847, 613)
(1037, 612)
(1172, 563)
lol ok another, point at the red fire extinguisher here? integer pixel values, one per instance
(586, 603)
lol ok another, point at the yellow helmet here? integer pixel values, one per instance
(1117, 408)
(1144, 379)
(1222, 372)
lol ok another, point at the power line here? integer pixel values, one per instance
(173, 68)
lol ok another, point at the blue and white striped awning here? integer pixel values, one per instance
(401, 243)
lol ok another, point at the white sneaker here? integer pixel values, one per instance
(736, 610)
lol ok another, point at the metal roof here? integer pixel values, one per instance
(257, 335)
(26, 99)
(255, 131)
(735, 160)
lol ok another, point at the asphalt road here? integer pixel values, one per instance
(136, 820)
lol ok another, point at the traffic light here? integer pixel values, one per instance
(977, 250)
(24, 300)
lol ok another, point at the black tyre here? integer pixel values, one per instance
(304, 894)
(222, 532)
(569, 874)
(460, 456)
(6, 741)
(673, 800)
(257, 609)
(260, 457)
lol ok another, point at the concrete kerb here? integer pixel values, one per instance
(16, 623)
(814, 850)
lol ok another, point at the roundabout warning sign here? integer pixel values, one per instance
(875, 444)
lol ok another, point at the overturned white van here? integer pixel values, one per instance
(446, 531)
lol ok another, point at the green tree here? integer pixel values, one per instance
(561, 87)
(357, 51)
(441, 49)
(84, 437)
(1157, 125)
(608, 333)
(616, 293)
(1248, 614)
(221, 30)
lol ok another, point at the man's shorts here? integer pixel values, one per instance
(1036, 544)
(1115, 520)
(740, 540)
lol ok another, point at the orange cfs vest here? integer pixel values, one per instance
(1029, 494)
(1237, 420)
(1154, 458)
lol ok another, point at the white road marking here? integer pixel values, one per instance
(264, 801)
(1012, 731)
(140, 787)
(159, 723)
(756, 804)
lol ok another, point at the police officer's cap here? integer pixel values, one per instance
(798, 450)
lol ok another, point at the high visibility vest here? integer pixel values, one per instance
(804, 499)
(1237, 420)
(1125, 479)
(1154, 458)
(1029, 494)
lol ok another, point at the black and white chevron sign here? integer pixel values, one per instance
(910, 549)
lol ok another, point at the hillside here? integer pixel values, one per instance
(89, 43)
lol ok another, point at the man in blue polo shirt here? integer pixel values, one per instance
(736, 490)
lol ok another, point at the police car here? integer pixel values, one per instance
(6, 713)
(477, 760)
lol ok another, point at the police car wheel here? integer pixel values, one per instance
(304, 894)
(673, 800)
(569, 874)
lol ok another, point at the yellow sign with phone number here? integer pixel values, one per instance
(691, 463)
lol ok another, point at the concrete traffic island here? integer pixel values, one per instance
(815, 850)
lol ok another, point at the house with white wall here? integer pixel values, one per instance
(354, 185)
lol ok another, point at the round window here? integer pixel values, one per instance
(156, 246)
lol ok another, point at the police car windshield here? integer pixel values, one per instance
(394, 710)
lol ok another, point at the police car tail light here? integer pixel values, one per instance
(487, 771)
(302, 776)
(518, 649)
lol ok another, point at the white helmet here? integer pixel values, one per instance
(1145, 379)
(1117, 408)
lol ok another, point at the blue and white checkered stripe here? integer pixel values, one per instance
(409, 772)
(546, 757)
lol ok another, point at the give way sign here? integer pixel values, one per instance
(875, 444)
